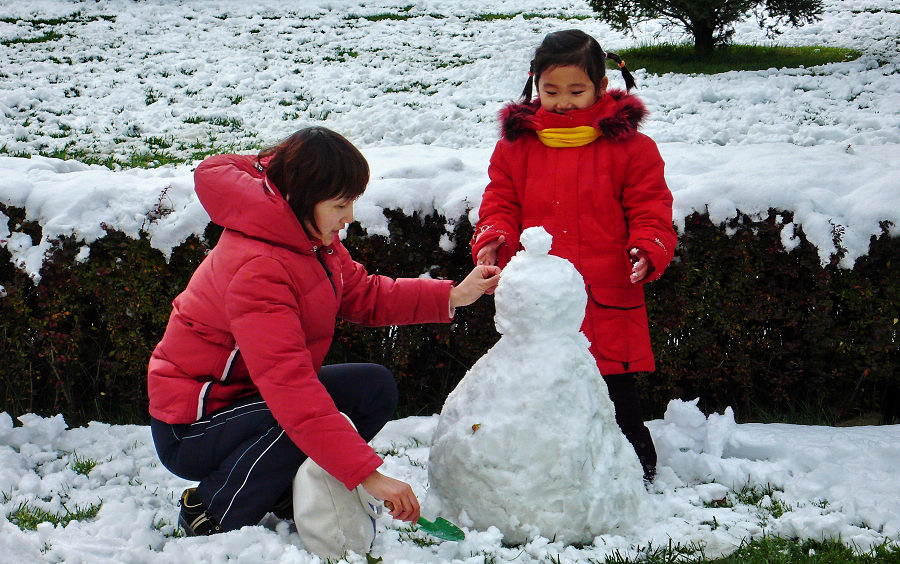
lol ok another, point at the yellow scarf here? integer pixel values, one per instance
(568, 136)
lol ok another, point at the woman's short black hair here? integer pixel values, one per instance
(313, 165)
(573, 47)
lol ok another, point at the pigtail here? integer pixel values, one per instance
(526, 92)
(629, 80)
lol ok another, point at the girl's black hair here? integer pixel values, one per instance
(313, 165)
(576, 48)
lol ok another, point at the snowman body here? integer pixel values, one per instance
(528, 441)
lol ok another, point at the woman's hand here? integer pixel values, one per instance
(487, 255)
(640, 265)
(482, 280)
(398, 496)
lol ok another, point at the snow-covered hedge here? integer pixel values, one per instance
(737, 320)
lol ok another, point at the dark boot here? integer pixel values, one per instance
(194, 518)
(640, 439)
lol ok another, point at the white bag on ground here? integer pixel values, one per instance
(331, 519)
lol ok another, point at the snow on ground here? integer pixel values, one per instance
(419, 95)
(251, 72)
(808, 482)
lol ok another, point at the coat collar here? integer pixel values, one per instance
(617, 115)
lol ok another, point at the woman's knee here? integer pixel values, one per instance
(385, 384)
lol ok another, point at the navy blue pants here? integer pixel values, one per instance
(244, 460)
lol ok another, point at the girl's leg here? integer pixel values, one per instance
(630, 417)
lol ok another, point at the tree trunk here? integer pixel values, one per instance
(703, 40)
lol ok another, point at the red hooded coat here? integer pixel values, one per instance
(259, 313)
(597, 201)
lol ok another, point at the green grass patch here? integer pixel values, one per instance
(83, 465)
(27, 516)
(75, 17)
(232, 123)
(49, 36)
(382, 17)
(417, 537)
(775, 550)
(151, 95)
(340, 55)
(402, 14)
(876, 11)
(153, 158)
(493, 16)
(680, 58)
(753, 495)
(766, 550)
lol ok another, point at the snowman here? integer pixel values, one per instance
(528, 440)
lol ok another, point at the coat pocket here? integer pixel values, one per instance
(618, 323)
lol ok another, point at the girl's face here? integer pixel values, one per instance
(565, 88)
(331, 216)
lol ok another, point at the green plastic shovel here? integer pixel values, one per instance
(440, 527)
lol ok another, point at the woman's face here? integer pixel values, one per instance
(565, 88)
(331, 216)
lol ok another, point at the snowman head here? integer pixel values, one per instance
(539, 292)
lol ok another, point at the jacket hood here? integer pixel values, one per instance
(235, 193)
(617, 115)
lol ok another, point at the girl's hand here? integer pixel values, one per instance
(398, 496)
(640, 265)
(482, 280)
(488, 253)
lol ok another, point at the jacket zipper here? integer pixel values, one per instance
(325, 267)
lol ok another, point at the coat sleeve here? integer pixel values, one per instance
(500, 212)
(647, 202)
(374, 300)
(263, 313)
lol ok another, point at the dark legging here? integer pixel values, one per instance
(630, 417)
(244, 460)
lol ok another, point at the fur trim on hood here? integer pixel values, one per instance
(617, 118)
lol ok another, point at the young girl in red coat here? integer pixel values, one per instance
(573, 162)
(238, 394)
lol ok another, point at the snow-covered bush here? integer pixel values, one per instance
(736, 320)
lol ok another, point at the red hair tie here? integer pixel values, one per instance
(622, 64)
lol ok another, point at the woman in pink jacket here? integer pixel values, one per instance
(573, 162)
(238, 394)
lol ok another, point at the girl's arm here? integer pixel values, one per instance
(500, 215)
(647, 202)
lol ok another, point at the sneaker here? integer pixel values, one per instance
(193, 517)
